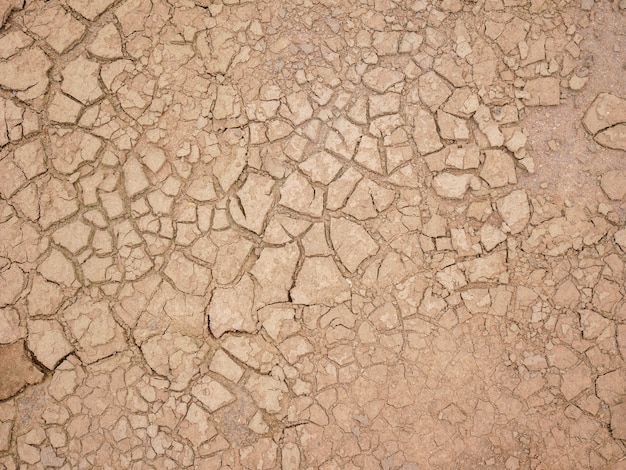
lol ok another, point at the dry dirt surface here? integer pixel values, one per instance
(330, 234)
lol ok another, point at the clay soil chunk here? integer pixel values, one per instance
(16, 369)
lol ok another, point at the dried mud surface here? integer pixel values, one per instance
(312, 234)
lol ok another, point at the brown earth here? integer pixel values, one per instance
(312, 234)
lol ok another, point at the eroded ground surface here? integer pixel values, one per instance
(301, 235)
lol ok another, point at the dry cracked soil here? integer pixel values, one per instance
(313, 234)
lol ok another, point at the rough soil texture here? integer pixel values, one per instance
(313, 234)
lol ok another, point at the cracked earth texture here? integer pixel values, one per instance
(330, 234)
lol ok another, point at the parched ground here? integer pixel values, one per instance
(330, 234)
